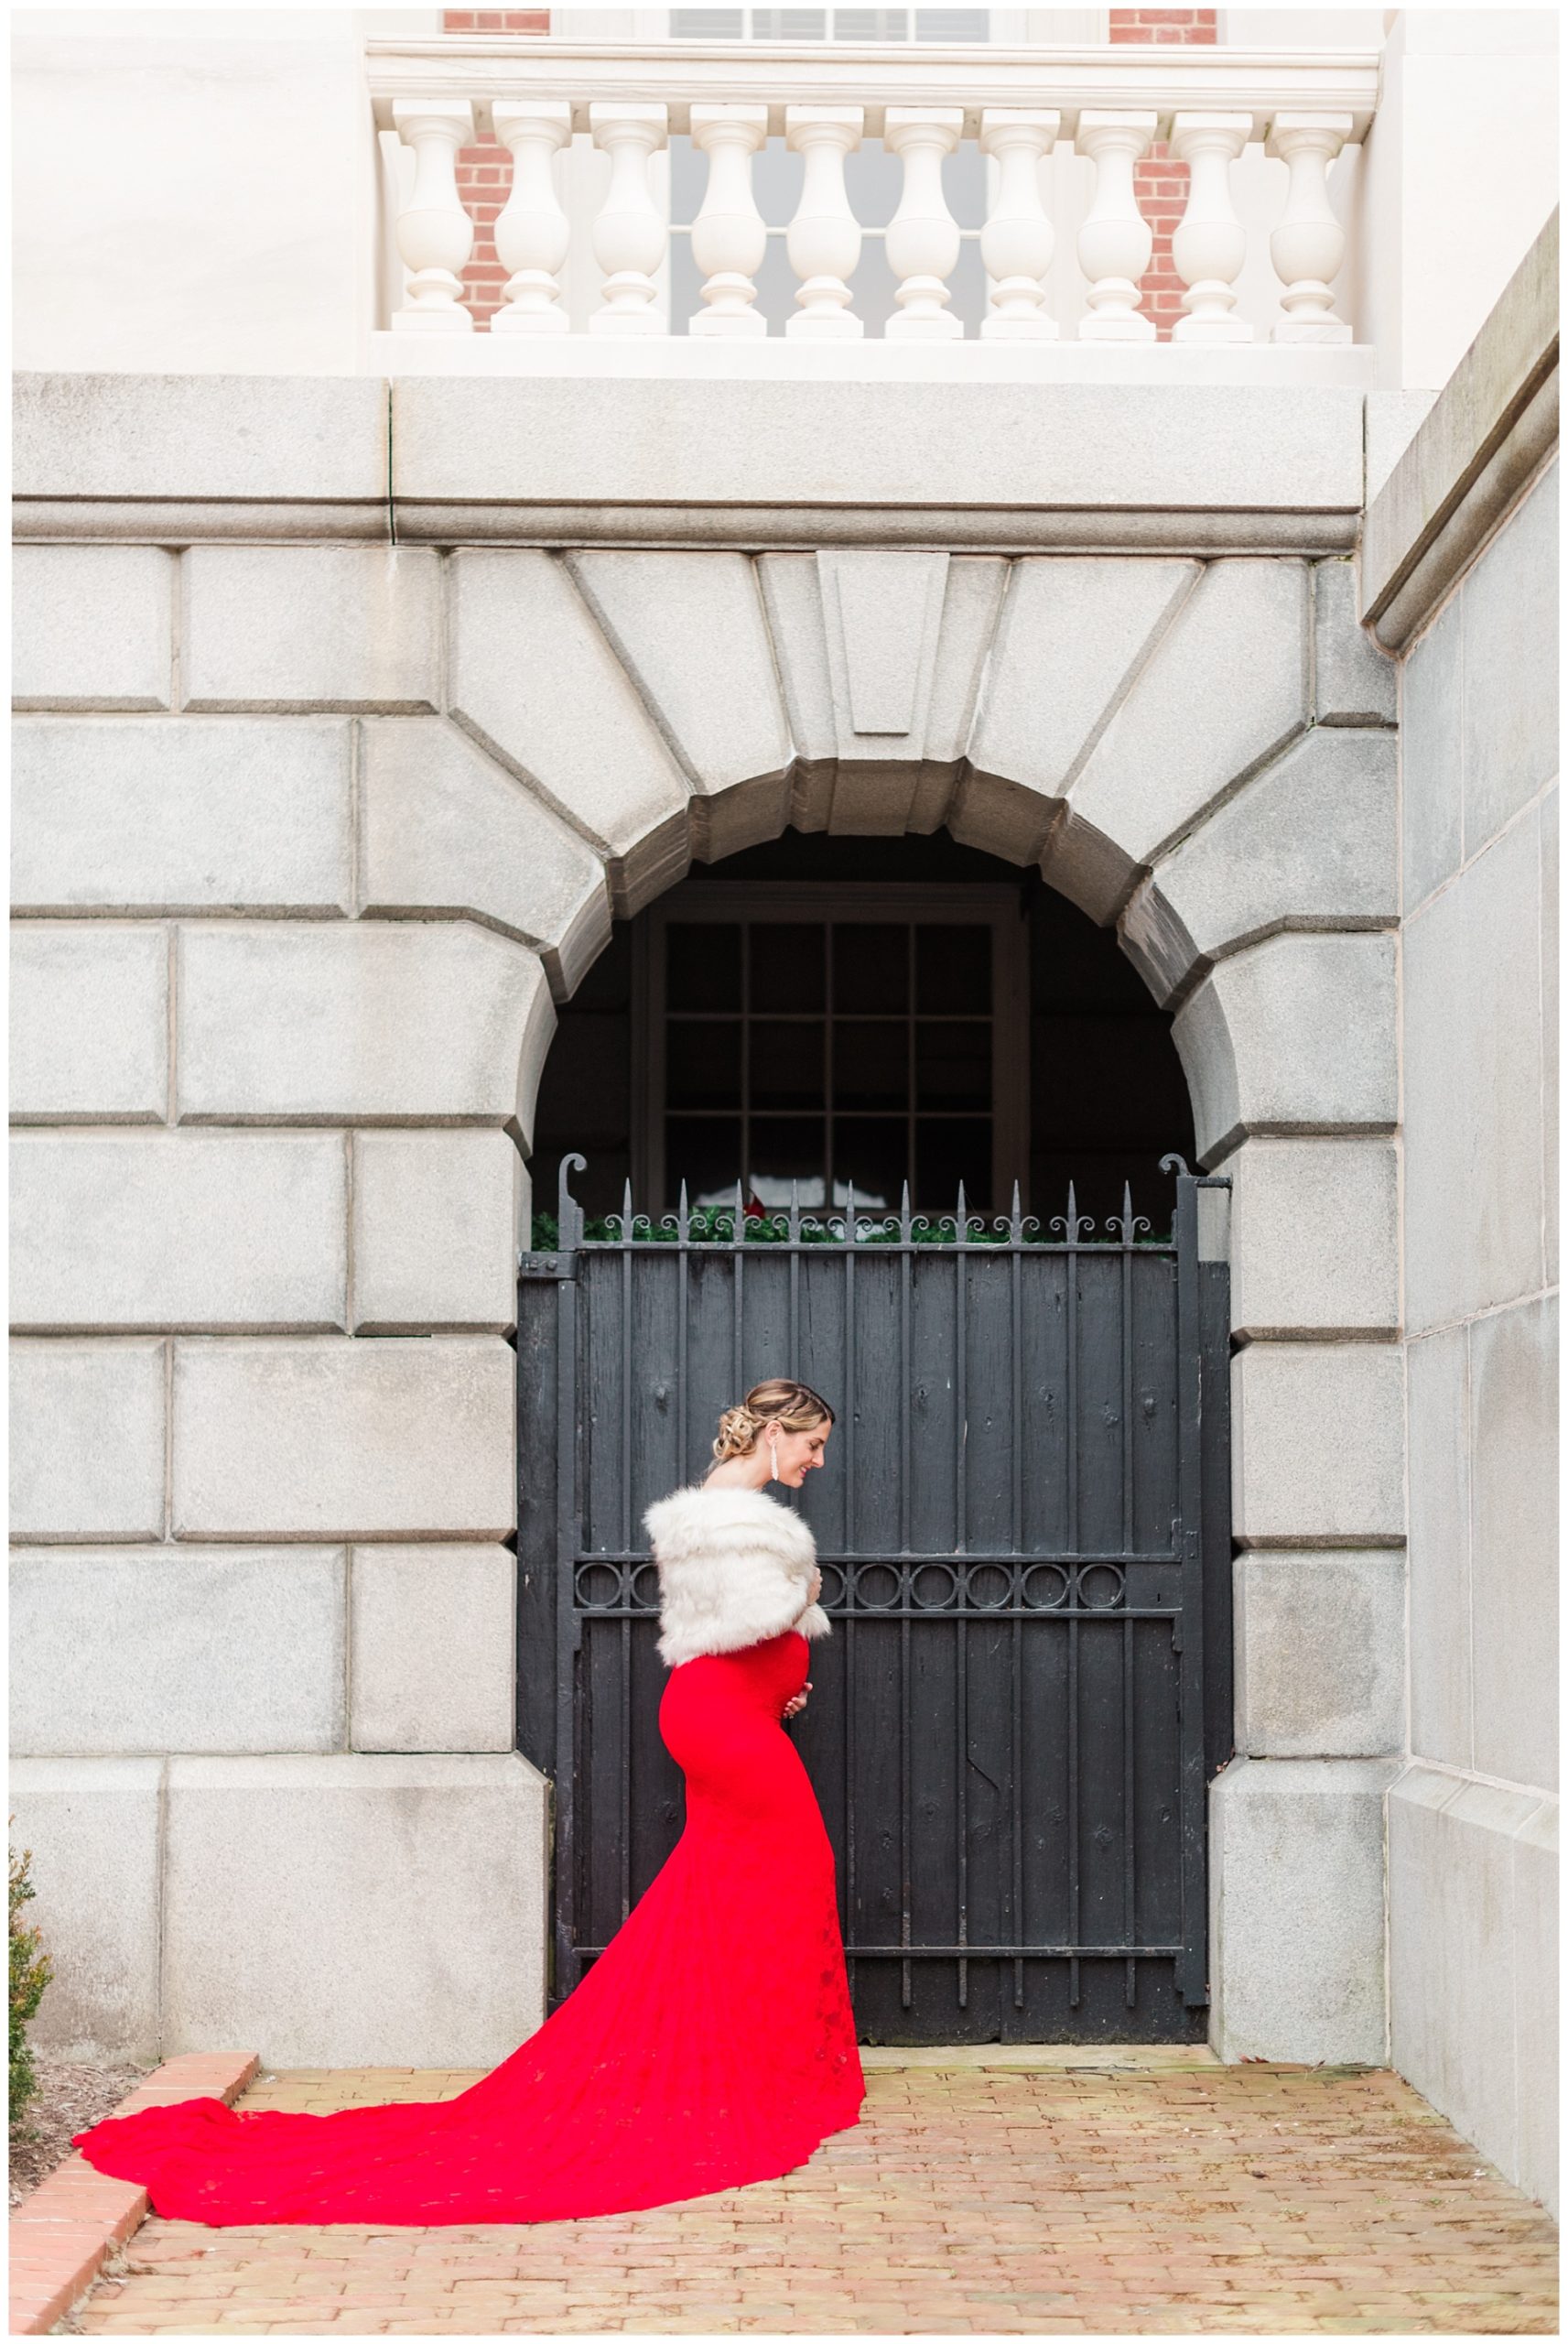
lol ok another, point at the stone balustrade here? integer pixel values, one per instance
(1109, 108)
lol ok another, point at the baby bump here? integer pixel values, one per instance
(719, 1720)
(711, 1719)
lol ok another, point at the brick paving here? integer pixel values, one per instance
(68, 2228)
(1175, 2196)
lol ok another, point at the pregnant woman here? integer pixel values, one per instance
(711, 2043)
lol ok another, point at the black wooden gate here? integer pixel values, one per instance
(1023, 1531)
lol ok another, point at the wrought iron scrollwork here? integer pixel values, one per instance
(735, 1222)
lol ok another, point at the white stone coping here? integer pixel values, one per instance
(985, 464)
(1491, 427)
(1163, 78)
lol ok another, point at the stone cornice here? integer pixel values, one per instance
(1491, 426)
(166, 458)
(1002, 467)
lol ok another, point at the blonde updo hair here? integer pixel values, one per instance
(794, 1408)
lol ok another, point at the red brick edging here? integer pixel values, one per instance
(63, 2232)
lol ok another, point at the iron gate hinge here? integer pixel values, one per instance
(546, 1265)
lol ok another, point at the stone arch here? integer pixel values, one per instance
(1201, 751)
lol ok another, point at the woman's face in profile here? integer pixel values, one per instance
(800, 1453)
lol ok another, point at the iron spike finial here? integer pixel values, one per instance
(683, 1216)
(738, 1234)
(848, 1213)
(962, 1230)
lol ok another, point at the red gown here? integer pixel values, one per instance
(709, 2045)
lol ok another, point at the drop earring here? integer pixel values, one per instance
(773, 1460)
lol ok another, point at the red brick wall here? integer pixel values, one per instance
(1159, 182)
(484, 172)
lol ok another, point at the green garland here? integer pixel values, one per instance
(714, 1225)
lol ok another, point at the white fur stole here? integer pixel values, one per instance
(734, 1568)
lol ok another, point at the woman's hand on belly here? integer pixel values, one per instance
(796, 1701)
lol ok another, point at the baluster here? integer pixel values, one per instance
(631, 232)
(532, 233)
(1017, 240)
(824, 239)
(1210, 245)
(435, 235)
(1115, 240)
(728, 236)
(923, 235)
(1308, 245)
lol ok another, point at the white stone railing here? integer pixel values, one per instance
(1110, 106)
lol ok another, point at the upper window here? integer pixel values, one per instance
(831, 1009)
(803, 1038)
